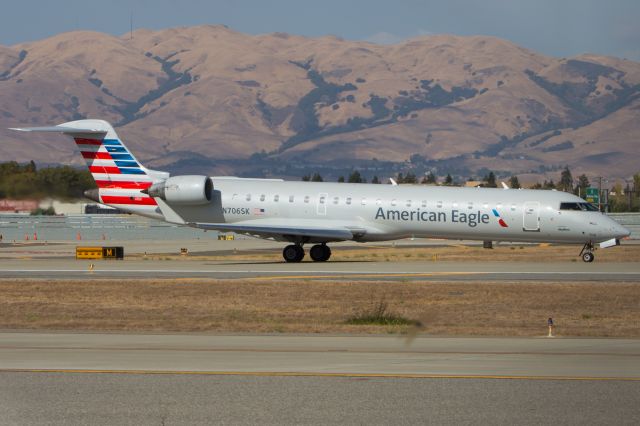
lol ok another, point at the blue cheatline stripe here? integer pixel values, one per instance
(115, 149)
(495, 213)
(127, 164)
(122, 157)
(126, 171)
(111, 142)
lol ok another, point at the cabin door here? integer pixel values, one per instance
(321, 206)
(531, 219)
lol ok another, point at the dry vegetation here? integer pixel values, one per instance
(443, 308)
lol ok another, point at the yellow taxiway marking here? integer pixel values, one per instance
(313, 374)
(356, 275)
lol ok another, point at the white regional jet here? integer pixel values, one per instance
(319, 213)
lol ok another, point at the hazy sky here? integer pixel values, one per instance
(554, 27)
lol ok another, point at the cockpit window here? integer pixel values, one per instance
(588, 207)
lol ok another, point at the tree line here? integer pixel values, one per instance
(20, 181)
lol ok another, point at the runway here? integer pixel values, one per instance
(69, 378)
(324, 355)
(388, 271)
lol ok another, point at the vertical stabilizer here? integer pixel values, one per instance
(119, 176)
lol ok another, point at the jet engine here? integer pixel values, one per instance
(183, 190)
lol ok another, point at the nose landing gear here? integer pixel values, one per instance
(587, 253)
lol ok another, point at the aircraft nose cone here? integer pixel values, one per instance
(622, 232)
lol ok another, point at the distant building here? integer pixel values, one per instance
(18, 206)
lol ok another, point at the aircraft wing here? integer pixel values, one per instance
(281, 232)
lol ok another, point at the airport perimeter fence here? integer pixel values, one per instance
(126, 227)
(16, 227)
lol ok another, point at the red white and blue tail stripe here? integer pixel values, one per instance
(118, 174)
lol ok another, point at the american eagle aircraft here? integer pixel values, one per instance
(320, 213)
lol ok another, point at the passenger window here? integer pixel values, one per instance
(262, 197)
(393, 202)
(485, 205)
(322, 199)
(364, 202)
(424, 203)
(470, 205)
(276, 198)
(499, 206)
(378, 201)
(291, 198)
(335, 200)
(306, 199)
(248, 197)
(349, 201)
(234, 196)
(455, 204)
(513, 207)
(408, 203)
(439, 204)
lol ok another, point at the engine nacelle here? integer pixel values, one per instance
(184, 190)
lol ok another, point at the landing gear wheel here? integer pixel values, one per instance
(587, 252)
(588, 257)
(293, 253)
(320, 253)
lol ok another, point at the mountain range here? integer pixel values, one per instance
(208, 99)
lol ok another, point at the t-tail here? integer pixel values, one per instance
(119, 176)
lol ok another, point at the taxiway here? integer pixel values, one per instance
(416, 270)
(68, 378)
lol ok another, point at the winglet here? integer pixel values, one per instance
(505, 186)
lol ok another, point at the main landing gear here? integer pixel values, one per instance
(295, 253)
(587, 253)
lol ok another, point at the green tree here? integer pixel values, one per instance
(410, 178)
(548, 185)
(514, 183)
(49, 211)
(355, 177)
(375, 179)
(306, 178)
(448, 180)
(566, 180)
(316, 177)
(490, 180)
(583, 184)
(430, 178)
(341, 179)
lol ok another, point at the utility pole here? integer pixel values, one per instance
(628, 191)
(599, 192)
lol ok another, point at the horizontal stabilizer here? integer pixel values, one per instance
(61, 129)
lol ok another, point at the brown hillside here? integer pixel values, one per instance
(213, 97)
